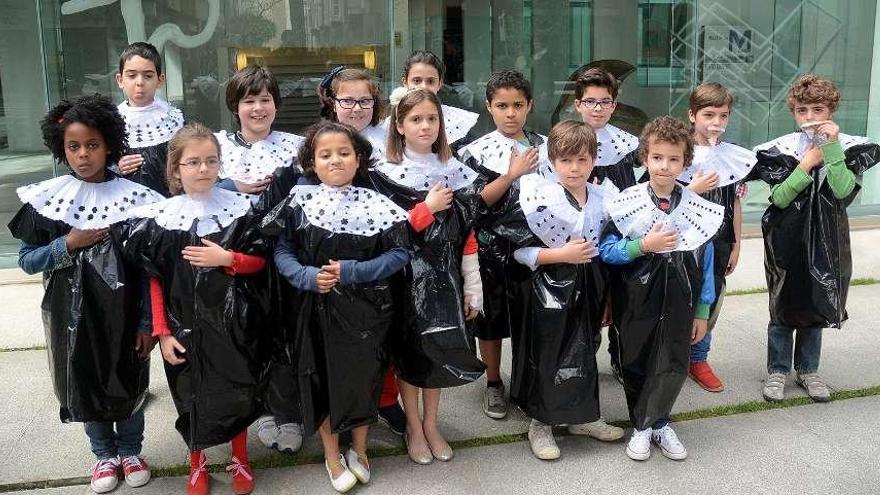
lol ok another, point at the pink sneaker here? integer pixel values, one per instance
(137, 473)
(105, 475)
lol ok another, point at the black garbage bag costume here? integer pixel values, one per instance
(92, 305)
(149, 129)
(616, 157)
(656, 294)
(504, 280)
(807, 248)
(339, 342)
(554, 378)
(216, 316)
(434, 346)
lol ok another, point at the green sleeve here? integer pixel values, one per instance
(702, 311)
(841, 179)
(783, 194)
(634, 249)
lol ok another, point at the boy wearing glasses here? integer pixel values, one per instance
(595, 94)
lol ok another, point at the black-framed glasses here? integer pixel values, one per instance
(211, 163)
(349, 103)
(604, 104)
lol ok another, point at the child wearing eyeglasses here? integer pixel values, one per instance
(352, 97)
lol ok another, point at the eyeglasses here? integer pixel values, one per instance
(349, 103)
(594, 103)
(210, 163)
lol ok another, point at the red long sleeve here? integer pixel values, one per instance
(420, 217)
(245, 264)
(157, 307)
(470, 245)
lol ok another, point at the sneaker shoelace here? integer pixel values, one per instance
(198, 470)
(776, 380)
(236, 468)
(670, 439)
(495, 396)
(132, 462)
(105, 466)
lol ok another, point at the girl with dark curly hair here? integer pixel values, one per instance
(71, 229)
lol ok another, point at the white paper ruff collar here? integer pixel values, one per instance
(347, 210)
(209, 213)
(250, 164)
(614, 144)
(422, 172)
(729, 161)
(796, 143)
(376, 135)
(457, 122)
(493, 150)
(553, 218)
(150, 125)
(86, 205)
(695, 219)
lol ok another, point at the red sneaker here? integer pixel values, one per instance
(199, 481)
(105, 475)
(702, 373)
(242, 476)
(137, 473)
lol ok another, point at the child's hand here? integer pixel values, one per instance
(170, 346)
(522, 164)
(703, 182)
(130, 164)
(698, 330)
(439, 198)
(469, 311)
(329, 276)
(255, 188)
(829, 129)
(812, 159)
(143, 344)
(734, 258)
(578, 251)
(210, 256)
(657, 240)
(77, 239)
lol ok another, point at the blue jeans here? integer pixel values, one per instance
(700, 350)
(805, 342)
(126, 440)
(660, 423)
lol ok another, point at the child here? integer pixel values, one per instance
(338, 245)
(435, 348)
(725, 165)
(559, 223)
(502, 157)
(659, 236)
(595, 98)
(98, 350)
(351, 97)
(150, 122)
(255, 155)
(424, 70)
(203, 302)
(813, 178)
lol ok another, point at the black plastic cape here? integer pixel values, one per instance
(91, 311)
(655, 299)
(622, 173)
(152, 171)
(806, 246)
(554, 377)
(339, 339)
(434, 346)
(218, 318)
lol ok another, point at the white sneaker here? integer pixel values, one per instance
(542, 442)
(267, 431)
(345, 481)
(290, 438)
(359, 470)
(639, 446)
(669, 444)
(105, 475)
(599, 429)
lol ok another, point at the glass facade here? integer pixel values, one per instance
(52, 49)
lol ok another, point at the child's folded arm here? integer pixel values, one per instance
(707, 291)
(53, 256)
(782, 194)
(841, 179)
(227, 184)
(245, 264)
(616, 249)
(382, 266)
(298, 275)
(420, 217)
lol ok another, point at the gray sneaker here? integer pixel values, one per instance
(494, 402)
(815, 386)
(774, 387)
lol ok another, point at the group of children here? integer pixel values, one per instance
(305, 283)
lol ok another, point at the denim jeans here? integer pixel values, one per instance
(806, 344)
(660, 423)
(700, 350)
(124, 441)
